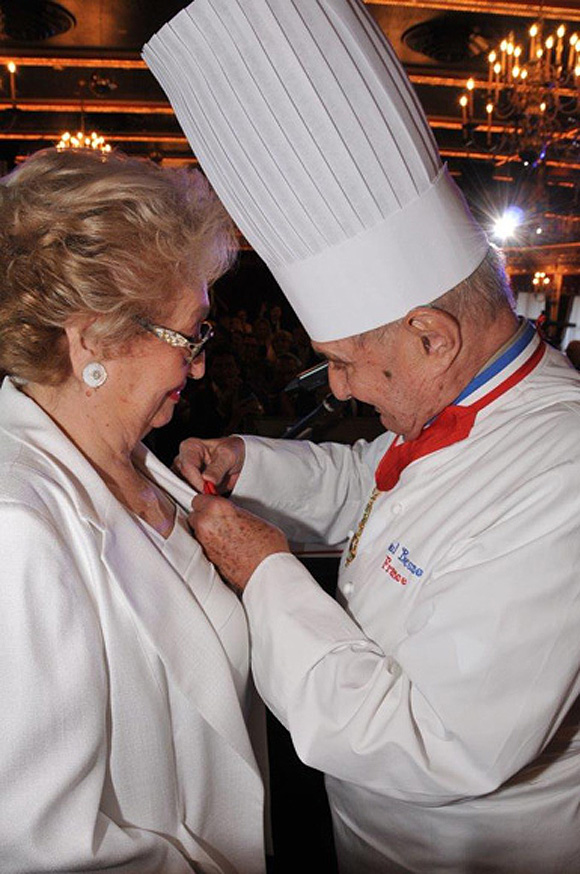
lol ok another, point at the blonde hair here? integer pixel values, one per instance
(115, 237)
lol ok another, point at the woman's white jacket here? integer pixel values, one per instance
(124, 744)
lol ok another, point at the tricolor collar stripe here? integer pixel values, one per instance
(496, 367)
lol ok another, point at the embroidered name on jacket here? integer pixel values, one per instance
(398, 556)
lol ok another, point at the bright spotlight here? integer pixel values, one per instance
(507, 224)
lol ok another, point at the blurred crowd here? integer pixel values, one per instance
(249, 363)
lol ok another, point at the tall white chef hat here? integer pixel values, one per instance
(310, 132)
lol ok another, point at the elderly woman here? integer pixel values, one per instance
(123, 656)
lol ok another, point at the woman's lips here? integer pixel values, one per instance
(176, 393)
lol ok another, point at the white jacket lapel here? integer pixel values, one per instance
(185, 640)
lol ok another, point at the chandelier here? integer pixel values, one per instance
(532, 96)
(82, 140)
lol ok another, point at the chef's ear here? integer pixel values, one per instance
(438, 332)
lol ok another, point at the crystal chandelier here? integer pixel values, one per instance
(532, 96)
(82, 140)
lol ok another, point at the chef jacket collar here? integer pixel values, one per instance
(500, 367)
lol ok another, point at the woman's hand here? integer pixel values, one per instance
(218, 461)
(234, 540)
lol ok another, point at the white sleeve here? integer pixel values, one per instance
(53, 688)
(314, 493)
(476, 687)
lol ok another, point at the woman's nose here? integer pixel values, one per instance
(197, 366)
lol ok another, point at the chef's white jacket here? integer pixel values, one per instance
(438, 696)
(123, 742)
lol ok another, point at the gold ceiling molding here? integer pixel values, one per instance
(61, 62)
(128, 107)
(559, 259)
(502, 159)
(54, 136)
(569, 10)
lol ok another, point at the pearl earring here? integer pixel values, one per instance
(94, 374)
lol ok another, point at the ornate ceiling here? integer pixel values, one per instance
(78, 66)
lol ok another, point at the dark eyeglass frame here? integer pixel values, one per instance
(194, 345)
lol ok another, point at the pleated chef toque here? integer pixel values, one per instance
(309, 130)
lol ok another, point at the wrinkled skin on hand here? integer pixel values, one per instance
(233, 539)
(219, 461)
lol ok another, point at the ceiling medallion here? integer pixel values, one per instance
(34, 20)
(452, 38)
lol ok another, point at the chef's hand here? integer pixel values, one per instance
(234, 540)
(218, 461)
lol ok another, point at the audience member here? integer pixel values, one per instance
(282, 342)
(276, 317)
(224, 403)
(242, 317)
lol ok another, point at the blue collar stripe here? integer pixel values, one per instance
(508, 356)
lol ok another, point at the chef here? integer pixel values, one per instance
(438, 692)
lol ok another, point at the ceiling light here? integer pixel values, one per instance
(507, 224)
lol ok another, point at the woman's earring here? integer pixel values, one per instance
(94, 374)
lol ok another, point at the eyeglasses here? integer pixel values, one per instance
(194, 345)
